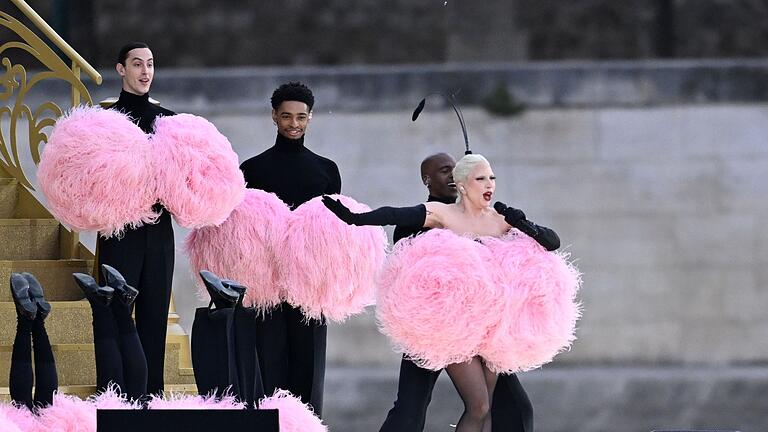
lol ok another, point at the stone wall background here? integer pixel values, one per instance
(196, 33)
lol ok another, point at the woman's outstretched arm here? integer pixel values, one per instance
(417, 215)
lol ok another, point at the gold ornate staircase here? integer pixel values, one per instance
(31, 239)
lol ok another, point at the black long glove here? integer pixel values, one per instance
(515, 217)
(406, 216)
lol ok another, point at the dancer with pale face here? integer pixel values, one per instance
(472, 215)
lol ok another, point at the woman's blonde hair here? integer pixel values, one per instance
(463, 167)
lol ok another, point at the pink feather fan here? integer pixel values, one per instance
(96, 173)
(541, 307)
(329, 267)
(17, 419)
(243, 248)
(294, 415)
(67, 414)
(436, 298)
(182, 401)
(198, 178)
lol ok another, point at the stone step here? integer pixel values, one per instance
(54, 275)
(9, 195)
(75, 365)
(83, 391)
(29, 239)
(68, 323)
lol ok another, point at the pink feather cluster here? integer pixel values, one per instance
(294, 415)
(69, 414)
(183, 401)
(542, 310)
(96, 173)
(444, 298)
(436, 300)
(329, 268)
(243, 248)
(196, 170)
(17, 419)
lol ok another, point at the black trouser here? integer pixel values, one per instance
(224, 353)
(145, 256)
(291, 352)
(21, 376)
(511, 411)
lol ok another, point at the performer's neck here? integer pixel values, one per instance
(444, 200)
(127, 96)
(289, 145)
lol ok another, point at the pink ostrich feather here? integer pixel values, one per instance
(182, 401)
(294, 415)
(17, 419)
(436, 299)
(68, 414)
(112, 398)
(243, 248)
(95, 172)
(329, 267)
(198, 178)
(541, 308)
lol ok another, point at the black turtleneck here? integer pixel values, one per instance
(402, 232)
(140, 109)
(291, 171)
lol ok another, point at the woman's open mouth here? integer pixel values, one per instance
(488, 196)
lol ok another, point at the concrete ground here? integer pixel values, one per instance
(576, 399)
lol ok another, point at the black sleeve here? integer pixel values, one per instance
(382, 216)
(546, 237)
(246, 174)
(402, 232)
(334, 186)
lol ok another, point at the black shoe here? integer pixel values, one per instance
(237, 287)
(221, 296)
(126, 293)
(25, 307)
(36, 295)
(92, 290)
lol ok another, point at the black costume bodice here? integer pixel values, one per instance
(292, 172)
(140, 109)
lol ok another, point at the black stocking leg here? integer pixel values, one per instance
(109, 363)
(21, 378)
(490, 382)
(46, 380)
(469, 380)
(133, 359)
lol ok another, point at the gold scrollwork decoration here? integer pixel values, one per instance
(15, 85)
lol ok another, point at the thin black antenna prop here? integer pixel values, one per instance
(451, 100)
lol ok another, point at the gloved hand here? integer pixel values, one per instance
(339, 209)
(512, 215)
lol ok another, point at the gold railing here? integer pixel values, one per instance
(15, 85)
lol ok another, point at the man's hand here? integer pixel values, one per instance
(339, 209)
(512, 215)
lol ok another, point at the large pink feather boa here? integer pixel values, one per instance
(100, 172)
(71, 414)
(307, 258)
(444, 298)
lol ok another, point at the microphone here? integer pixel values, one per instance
(500, 207)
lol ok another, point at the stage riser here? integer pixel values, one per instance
(68, 323)
(55, 276)
(9, 195)
(29, 239)
(75, 365)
